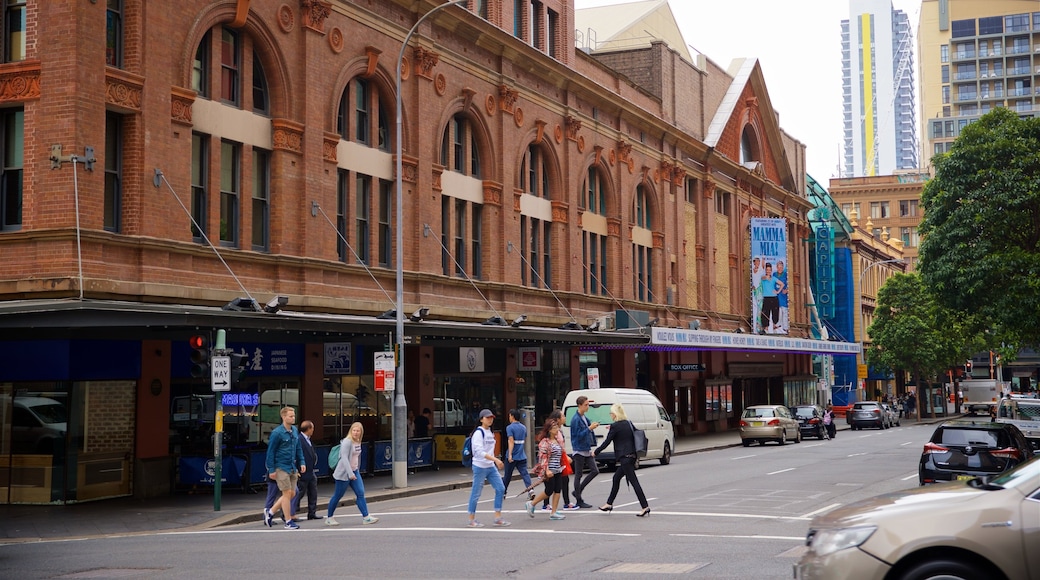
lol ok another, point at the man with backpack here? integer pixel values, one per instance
(485, 469)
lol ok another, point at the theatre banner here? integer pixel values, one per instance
(769, 275)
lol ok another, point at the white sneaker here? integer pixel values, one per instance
(330, 521)
(369, 520)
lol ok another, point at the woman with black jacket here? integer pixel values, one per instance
(622, 435)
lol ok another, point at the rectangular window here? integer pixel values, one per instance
(962, 28)
(553, 22)
(537, 28)
(991, 25)
(445, 235)
(386, 206)
(361, 129)
(362, 209)
(518, 18)
(594, 254)
(230, 56)
(908, 208)
(691, 190)
(846, 208)
(457, 144)
(12, 123)
(944, 53)
(722, 201)
(261, 200)
(342, 205)
(230, 180)
(945, 73)
(199, 184)
(260, 100)
(14, 31)
(114, 34)
(642, 259)
(477, 233)
(482, 9)
(113, 171)
(1016, 23)
(460, 237)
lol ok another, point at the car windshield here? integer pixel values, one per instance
(970, 437)
(1025, 474)
(751, 413)
(52, 413)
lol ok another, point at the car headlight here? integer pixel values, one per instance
(829, 541)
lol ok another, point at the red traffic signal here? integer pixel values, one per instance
(200, 353)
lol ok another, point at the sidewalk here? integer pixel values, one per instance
(28, 523)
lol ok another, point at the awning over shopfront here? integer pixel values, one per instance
(35, 319)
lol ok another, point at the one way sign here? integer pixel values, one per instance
(220, 373)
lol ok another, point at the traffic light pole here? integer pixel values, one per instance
(220, 349)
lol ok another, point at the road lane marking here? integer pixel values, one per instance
(821, 510)
(909, 477)
(855, 454)
(781, 471)
(744, 457)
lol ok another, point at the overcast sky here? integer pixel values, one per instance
(798, 43)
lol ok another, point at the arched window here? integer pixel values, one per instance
(642, 248)
(459, 151)
(227, 68)
(594, 233)
(361, 115)
(535, 220)
(748, 146)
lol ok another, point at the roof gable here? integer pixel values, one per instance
(630, 25)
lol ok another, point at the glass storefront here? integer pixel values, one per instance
(65, 442)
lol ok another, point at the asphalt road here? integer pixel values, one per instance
(730, 513)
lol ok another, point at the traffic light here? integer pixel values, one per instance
(200, 353)
(238, 367)
(967, 367)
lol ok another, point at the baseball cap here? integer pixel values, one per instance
(486, 413)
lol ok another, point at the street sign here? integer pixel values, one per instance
(220, 373)
(384, 371)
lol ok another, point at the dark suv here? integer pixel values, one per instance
(968, 448)
(868, 414)
(810, 420)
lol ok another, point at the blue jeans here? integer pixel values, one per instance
(359, 493)
(521, 466)
(480, 475)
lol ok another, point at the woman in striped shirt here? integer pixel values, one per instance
(550, 464)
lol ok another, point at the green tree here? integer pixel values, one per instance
(913, 332)
(980, 252)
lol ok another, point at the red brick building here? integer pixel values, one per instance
(167, 170)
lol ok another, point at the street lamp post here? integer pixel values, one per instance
(862, 313)
(400, 416)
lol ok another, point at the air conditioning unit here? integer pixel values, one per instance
(607, 322)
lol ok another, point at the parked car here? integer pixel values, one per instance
(981, 528)
(967, 448)
(810, 420)
(892, 414)
(768, 423)
(868, 414)
(38, 424)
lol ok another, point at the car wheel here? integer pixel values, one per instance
(822, 434)
(745, 442)
(783, 437)
(798, 436)
(666, 458)
(899, 423)
(951, 569)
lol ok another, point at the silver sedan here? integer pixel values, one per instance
(768, 423)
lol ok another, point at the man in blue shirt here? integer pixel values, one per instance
(516, 455)
(781, 276)
(582, 441)
(285, 463)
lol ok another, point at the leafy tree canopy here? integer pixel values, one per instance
(980, 251)
(911, 331)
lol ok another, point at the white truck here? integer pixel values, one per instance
(1024, 414)
(979, 395)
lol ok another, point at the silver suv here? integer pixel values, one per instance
(868, 414)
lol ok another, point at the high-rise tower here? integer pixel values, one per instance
(879, 109)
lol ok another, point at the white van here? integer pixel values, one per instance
(644, 410)
(447, 412)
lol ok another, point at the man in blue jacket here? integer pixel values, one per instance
(582, 441)
(284, 456)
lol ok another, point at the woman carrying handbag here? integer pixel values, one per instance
(622, 435)
(550, 468)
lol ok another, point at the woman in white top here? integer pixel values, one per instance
(485, 468)
(347, 474)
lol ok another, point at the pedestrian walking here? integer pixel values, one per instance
(828, 421)
(557, 415)
(622, 435)
(516, 455)
(347, 474)
(582, 441)
(284, 464)
(309, 478)
(485, 469)
(549, 468)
